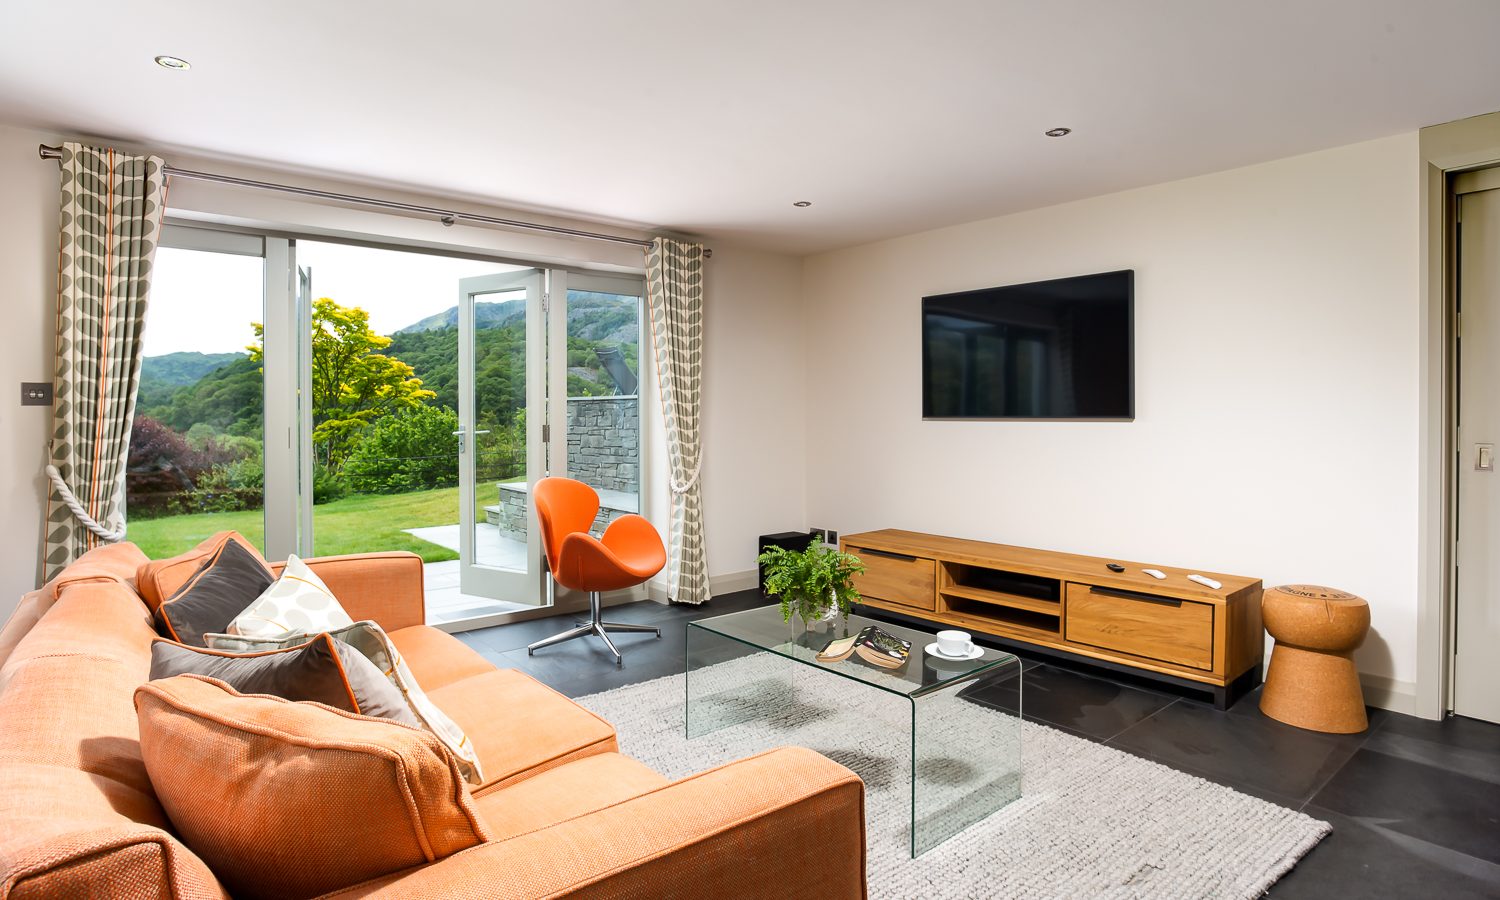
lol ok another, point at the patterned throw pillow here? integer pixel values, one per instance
(298, 603)
(370, 640)
(226, 582)
(320, 670)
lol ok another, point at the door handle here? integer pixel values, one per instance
(460, 433)
(1484, 457)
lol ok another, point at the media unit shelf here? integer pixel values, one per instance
(1169, 629)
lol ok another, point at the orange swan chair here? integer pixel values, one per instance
(628, 554)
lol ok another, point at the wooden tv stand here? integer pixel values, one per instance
(1168, 629)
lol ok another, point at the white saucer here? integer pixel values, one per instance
(975, 651)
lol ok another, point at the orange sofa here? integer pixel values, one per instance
(567, 814)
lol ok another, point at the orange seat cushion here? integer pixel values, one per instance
(558, 794)
(287, 799)
(436, 657)
(520, 727)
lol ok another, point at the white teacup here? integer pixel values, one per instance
(955, 643)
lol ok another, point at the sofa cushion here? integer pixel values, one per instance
(558, 794)
(288, 799)
(226, 582)
(436, 657)
(321, 670)
(297, 603)
(521, 727)
(377, 647)
(159, 579)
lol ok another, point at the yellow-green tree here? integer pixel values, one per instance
(353, 383)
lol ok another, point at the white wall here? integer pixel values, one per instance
(754, 427)
(1276, 427)
(28, 273)
(752, 300)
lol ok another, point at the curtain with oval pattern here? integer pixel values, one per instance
(674, 303)
(111, 208)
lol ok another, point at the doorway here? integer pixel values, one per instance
(1476, 574)
(387, 399)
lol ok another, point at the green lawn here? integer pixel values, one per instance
(363, 523)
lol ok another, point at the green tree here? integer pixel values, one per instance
(353, 383)
(412, 450)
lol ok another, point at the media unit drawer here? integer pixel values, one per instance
(1160, 628)
(896, 578)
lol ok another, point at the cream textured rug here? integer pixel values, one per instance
(1092, 821)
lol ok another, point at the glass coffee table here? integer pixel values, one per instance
(965, 715)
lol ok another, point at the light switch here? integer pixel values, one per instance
(1484, 457)
(36, 393)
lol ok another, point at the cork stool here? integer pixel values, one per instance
(1312, 681)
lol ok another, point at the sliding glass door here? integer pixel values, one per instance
(330, 398)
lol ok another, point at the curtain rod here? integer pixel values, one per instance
(446, 216)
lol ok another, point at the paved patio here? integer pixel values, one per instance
(445, 602)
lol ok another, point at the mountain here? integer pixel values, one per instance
(591, 316)
(486, 315)
(184, 368)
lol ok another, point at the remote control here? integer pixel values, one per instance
(1155, 573)
(1114, 567)
(1205, 581)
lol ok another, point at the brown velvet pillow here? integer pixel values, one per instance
(296, 799)
(322, 670)
(227, 581)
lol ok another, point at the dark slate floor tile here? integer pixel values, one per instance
(1468, 746)
(1426, 803)
(1364, 857)
(1093, 707)
(1262, 757)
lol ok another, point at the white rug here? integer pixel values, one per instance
(1092, 821)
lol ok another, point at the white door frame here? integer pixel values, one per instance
(1445, 150)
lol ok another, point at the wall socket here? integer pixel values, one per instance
(826, 535)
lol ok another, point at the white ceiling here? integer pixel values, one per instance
(712, 116)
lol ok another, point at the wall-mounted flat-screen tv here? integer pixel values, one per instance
(1061, 349)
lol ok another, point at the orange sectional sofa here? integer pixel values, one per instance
(566, 814)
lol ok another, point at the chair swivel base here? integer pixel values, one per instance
(594, 626)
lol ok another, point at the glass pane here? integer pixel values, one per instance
(196, 463)
(500, 495)
(604, 405)
(384, 401)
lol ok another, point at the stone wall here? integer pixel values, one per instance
(604, 442)
(604, 451)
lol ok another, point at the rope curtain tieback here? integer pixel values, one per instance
(692, 479)
(81, 514)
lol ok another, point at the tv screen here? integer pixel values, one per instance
(1060, 349)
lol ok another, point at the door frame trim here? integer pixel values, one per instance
(1445, 151)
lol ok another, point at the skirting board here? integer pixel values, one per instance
(1389, 693)
(727, 583)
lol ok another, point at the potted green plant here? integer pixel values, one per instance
(814, 583)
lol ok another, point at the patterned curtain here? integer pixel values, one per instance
(111, 218)
(674, 301)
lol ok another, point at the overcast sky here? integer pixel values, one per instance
(206, 301)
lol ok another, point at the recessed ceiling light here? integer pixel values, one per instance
(1058, 132)
(173, 62)
(802, 203)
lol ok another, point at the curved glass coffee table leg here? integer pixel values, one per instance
(728, 682)
(966, 753)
